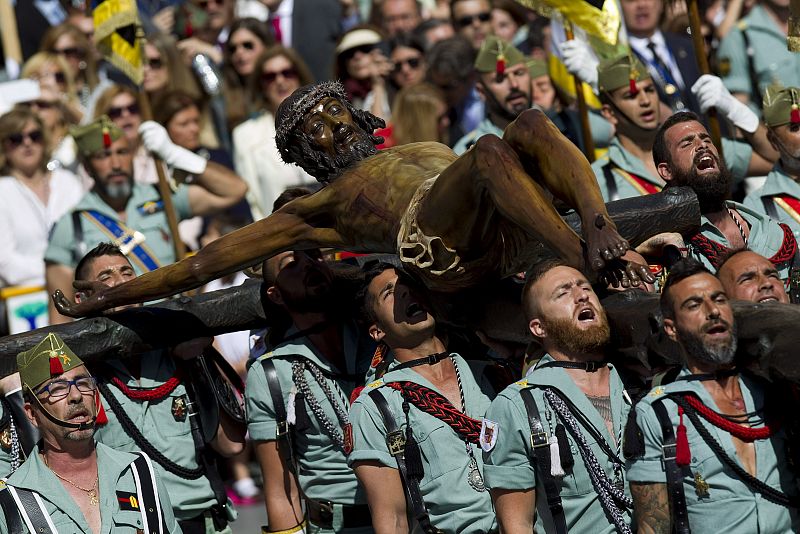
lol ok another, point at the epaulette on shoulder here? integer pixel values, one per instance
(522, 383)
(742, 24)
(374, 385)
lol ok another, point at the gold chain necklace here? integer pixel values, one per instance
(90, 492)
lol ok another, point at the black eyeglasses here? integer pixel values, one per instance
(154, 63)
(247, 45)
(364, 49)
(58, 389)
(467, 20)
(289, 74)
(16, 139)
(39, 104)
(412, 62)
(73, 52)
(117, 112)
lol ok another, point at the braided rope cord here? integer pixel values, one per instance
(147, 394)
(144, 445)
(15, 448)
(769, 493)
(714, 251)
(744, 433)
(299, 379)
(608, 494)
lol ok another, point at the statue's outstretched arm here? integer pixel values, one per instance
(285, 229)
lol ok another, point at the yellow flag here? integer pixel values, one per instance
(118, 36)
(600, 18)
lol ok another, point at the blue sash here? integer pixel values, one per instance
(124, 238)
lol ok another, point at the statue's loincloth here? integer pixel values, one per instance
(442, 268)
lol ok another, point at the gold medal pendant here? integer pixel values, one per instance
(474, 476)
(93, 500)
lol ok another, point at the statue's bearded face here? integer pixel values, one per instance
(334, 134)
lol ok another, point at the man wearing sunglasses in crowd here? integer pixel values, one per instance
(472, 20)
(132, 215)
(70, 483)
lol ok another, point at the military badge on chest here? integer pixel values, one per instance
(179, 408)
(5, 438)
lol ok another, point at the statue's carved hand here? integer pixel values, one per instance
(91, 299)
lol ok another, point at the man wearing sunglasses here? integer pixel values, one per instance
(472, 20)
(132, 215)
(70, 483)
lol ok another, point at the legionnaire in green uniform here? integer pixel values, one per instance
(685, 156)
(753, 54)
(297, 398)
(417, 427)
(711, 450)
(152, 404)
(779, 197)
(630, 103)
(553, 441)
(129, 214)
(70, 483)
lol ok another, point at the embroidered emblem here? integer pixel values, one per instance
(376, 384)
(150, 207)
(656, 392)
(179, 408)
(127, 501)
(488, 437)
(347, 432)
(523, 382)
(700, 485)
(5, 438)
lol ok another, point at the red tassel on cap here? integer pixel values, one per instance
(794, 116)
(632, 89)
(106, 138)
(683, 456)
(55, 366)
(500, 66)
(101, 418)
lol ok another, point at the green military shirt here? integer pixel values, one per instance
(115, 476)
(508, 464)
(171, 434)
(772, 61)
(766, 237)
(322, 470)
(454, 506)
(601, 132)
(778, 183)
(64, 248)
(729, 506)
(736, 153)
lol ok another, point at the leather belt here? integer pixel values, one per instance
(321, 514)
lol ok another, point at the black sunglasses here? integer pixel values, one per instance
(17, 139)
(155, 63)
(412, 62)
(467, 20)
(116, 112)
(364, 49)
(289, 74)
(247, 45)
(78, 53)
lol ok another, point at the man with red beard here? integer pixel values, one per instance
(685, 156)
(553, 442)
(707, 453)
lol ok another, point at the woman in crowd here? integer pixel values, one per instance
(363, 68)
(278, 72)
(32, 198)
(54, 76)
(420, 114)
(408, 61)
(509, 21)
(249, 37)
(69, 42)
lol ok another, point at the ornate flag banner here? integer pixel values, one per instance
(115, 31)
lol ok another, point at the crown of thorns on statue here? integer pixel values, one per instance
(293, 143)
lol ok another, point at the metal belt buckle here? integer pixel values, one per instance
(539, 439)
(282, 429)
(396, 442)
(668, 452)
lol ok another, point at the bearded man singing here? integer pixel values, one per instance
(709, 453)
(552, 442)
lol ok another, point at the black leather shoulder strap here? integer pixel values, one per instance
(283, 432)
(677, 497)
(541, 461)
(149, 502)
(396, 443)
(611, 183)
(78, 244)
(769, 207)
(11, 513)
(26, 503)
